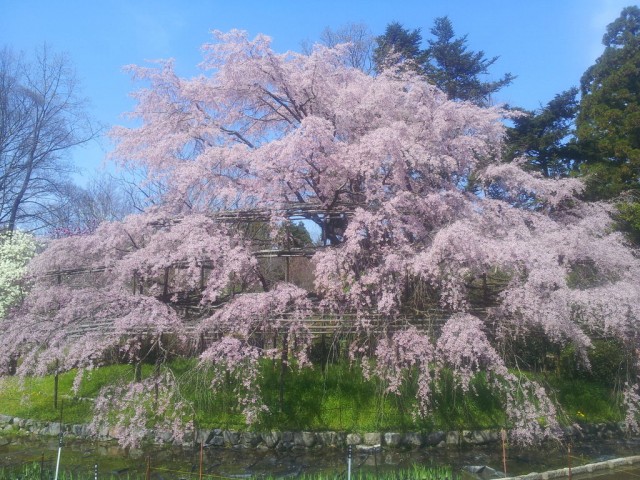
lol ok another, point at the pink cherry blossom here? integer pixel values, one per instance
(415, 206)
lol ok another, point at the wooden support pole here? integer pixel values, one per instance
(165, 287)
(504, 451)
(55, 387)
(569, 458)
(287, 260)
(485, 290)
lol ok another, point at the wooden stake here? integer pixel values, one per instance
(148, 473)
(569, 458)
(504, 451)
(55, 387)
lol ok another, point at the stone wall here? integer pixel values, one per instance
(286, 440)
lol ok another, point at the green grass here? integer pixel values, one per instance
(587, 401)
(36, 471)
(335, 398)
(33, 397)
(338, 398)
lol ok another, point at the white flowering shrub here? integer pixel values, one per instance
(16, 249)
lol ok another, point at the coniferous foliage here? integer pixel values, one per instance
(398, 45)
(458, 71)
(447, 61)
(545, 138)
(608, 125)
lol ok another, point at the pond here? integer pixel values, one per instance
(175, 463)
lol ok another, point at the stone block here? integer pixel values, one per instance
(249, 439)
(308, 439)
(354, 439)
(6, 419)
(372, 438)
(271, 439)
(434, 438)
(452, 438)
(392, 439)
(53, 428)
(340, 439)
(231, 438)
(413, 439)
(202, 436)
(328, 439)
(480, 437)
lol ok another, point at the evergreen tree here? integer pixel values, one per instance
(545, 137)
(397, 45)
(608, 125)
(456, 70)
(447, 62)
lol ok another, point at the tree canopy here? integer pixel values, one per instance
(381, 164)
(456, 70)
(42, 116)
(398, 45)
(608, 125)
(545, 138)
(447, 61)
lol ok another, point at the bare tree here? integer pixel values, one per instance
(81, 209)
(41, 119)
(359, 41)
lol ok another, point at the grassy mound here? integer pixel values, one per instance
(336, 397)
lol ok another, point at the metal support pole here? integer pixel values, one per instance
(59, 452)
(59, 441)
(349, 455)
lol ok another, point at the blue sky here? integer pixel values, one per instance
(548, 44)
